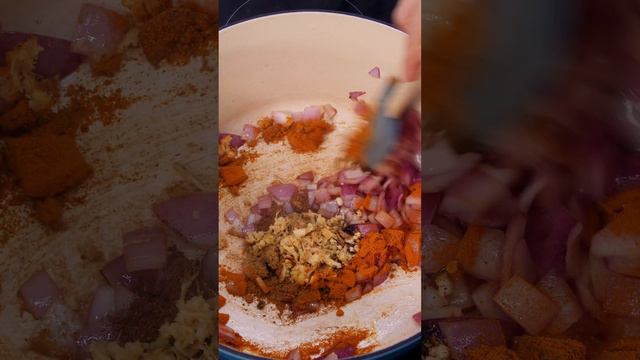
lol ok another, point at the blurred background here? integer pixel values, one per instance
(234, 11)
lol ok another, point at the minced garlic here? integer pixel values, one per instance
(190, 336)
(21, 61)
(297, 245)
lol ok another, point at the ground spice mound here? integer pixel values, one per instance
(46, 165)
(302, 136)
(176, 35)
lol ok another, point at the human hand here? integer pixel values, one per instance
(407, 16)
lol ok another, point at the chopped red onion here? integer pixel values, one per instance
(386, 220)
(115, 273)
(312, 113)
(367, 288)
(372, 218)
(309, 175)
(236, 140)
(364, 229)
(345, 352)
(312, 187)
(375, 72)
(294, 355)
(227, 334)
(145, 249)
(288, 208)
(253, 219)
(231, 216)
(328, 209)
(547, 233)
(348, 190)
(322, 196)
(352, 176)
(311, 195)
(331, 356)
(280, 117)
(353, 293)
(334, 190)
(193, 216)
(382, 203)
(380, 277)
(282, 192)
(370, 185)
(329, 112)
(432, 201)
(417, 317)
(38, 293)
(103, 304)
(392, 194)
(249, 132)
(354, 95)
(99, 31)
(264, 202)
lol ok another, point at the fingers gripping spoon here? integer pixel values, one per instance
(397, 98)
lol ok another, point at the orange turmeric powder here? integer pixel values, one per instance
(307, 136)
(624, 210)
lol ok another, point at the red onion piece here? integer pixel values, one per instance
(354, 95)
(227, 334)
(392, 194)
(364, 229)
(145, 249)
(322, 196)
(249, 133)
(382, 204)
(287, 207)
(38, 294)
(236, 140)
(328, 209)
(334, 190)
(294, 355)
(329, 112)
(282, 192)
(345, 352)
(471, 197)
(265, 202)
(312, 113)
(193, 216)
(280, 117)
(348, 190)
(464, 334)
(375, 72)
(115, 273)
(231, 216)
(547, 233)
(331, 356)
(352, 176)
(99, 31)
(380, 277)
(353, 293)
(309, 175)
(370, 185)
(570, 310)
(103, 304)
(417, 317)
(55, 58)
(386, 220)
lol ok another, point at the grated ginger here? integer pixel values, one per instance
(297, 245)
